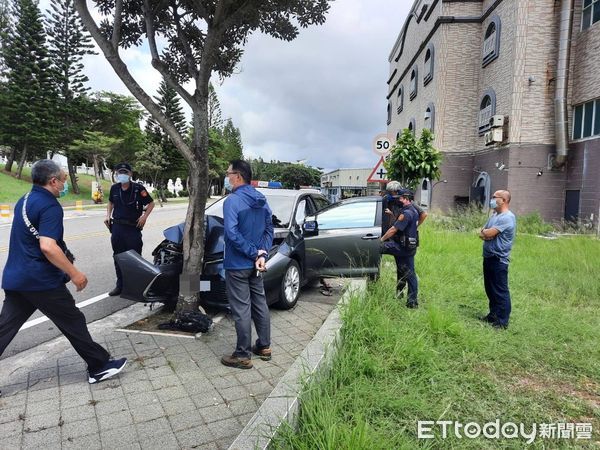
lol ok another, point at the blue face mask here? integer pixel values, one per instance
(493, 203)
(227, 185)
(122, 178)
(65, 190)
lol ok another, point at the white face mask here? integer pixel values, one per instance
(227, 185)
(122, 178)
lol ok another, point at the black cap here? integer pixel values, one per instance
(122, 166)
(406, 193)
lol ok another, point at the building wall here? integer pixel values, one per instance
(583, 170)
(586, 63)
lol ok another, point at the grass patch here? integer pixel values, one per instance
(12, 188)
(396, 366)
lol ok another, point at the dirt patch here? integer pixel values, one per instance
(151, 323)
(587, 391)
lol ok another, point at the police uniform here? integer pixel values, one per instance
(403, 246)
(128, 206)
(31, 282)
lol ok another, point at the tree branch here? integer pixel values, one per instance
(189, 56)
(157, 63)
(122, 72)
(116, 34)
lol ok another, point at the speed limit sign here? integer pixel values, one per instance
(382, 144)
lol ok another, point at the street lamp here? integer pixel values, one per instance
(431, 191)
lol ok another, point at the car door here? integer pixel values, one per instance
(345, 241)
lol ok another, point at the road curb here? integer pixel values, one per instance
(283, 404)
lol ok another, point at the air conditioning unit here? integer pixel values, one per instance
(493, 136)
(497, 121)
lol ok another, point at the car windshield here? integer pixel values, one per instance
(281, 206)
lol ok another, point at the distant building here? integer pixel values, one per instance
(344, 183)
(511, 89)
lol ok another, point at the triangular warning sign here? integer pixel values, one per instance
(379, 173)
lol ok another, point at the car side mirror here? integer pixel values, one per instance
(310, 228)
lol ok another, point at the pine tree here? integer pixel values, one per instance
(215, 119)
(68, 43)
(233, 140)
(28, 126)
(170, 104)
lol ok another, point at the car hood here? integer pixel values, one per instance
(214, 242)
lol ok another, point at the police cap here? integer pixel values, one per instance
(123, 166)
(406, 193)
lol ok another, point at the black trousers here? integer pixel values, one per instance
(123, 238)
(59, 306)
(495, 278)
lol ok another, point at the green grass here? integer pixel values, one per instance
(12, 188)
(396, 366)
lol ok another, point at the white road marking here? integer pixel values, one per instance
(34, 322)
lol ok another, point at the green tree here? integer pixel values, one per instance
(197, 39)
(295, 175)
(150, 163)
(96, 147)
(68, 43)
(413, 159)
(170, 104)
(27, 125)
(215, 117)
(117, 116)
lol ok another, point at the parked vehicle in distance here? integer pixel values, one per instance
(312, 239)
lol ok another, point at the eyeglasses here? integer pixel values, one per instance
(233, 172)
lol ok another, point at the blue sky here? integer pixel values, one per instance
(319, 98)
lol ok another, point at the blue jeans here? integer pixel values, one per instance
(495, 278)
(246, 295)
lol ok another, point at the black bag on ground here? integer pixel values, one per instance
(190, 321)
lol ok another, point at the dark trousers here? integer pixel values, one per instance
(59, 306)
(495, 278)
(246, 295)
(405, 274)
(123, 238)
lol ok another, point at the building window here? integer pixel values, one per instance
(586, 120)
(389, 113)
(428, 65)
(590, 14)
(429, 117)
(412, 125)
(414, 76)
(491, 41)
(487, 108)
(400, 99)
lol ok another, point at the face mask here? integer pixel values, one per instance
(227, 185)
(122, 178)
(65, 190)
(493, 203)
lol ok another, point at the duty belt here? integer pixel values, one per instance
(131, 223)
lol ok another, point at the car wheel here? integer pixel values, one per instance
(289, 290)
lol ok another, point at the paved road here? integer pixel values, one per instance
(89, 240)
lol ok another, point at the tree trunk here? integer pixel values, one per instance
(10, 160)
(193, 235)
(155, 184)
(96, 169)
(73, 177)
(22, 162)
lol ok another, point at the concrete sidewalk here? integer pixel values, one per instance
(173, 394)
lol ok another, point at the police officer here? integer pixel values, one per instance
(391, 207)
(129, 205)
(401, 241)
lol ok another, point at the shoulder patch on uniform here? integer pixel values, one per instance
(144, 193)
(401, 218)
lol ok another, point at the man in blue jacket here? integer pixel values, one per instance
(248, 238)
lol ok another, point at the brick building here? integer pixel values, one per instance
(534, 66)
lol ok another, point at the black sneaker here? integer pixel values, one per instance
(115, 291)
(412, 305)
(110, 369)
(500, 326)
(488, 319)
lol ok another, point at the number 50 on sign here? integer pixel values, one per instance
(382, 144)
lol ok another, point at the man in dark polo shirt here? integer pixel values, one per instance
(37, 270)
(129, 205)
